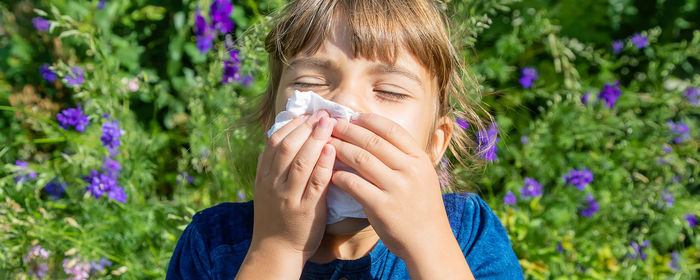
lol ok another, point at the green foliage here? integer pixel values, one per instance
(143, 68)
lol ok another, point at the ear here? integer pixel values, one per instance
(440, 138)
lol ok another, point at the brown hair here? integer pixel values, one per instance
(380, 28)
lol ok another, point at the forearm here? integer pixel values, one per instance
(270, 262)
(440, 261)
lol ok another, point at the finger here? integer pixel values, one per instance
(390, 131)
(371, 142)
(364, 163)
(277, 137)
(288, 147)
(321, 176)
(308, 156)
(364, 192)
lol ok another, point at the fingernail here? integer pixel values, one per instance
(323, 123)
(334, 121)
(354, 116)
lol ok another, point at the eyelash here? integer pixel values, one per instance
(388, 95)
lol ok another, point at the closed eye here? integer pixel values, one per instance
(391, 96)
(308, 85)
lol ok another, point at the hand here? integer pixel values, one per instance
(397, 185)
(292, 176)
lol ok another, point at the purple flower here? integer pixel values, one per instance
(111, 134)
(79, 270)
(691, 219)
(509, 198)
(76, 76)
(55, 188)
(666, 148)
(204, 43)
(33, 258)
(524, 140)
(667, 197)
(23, 172)
(673, 264)
(585, 99)
(184, 177)
(590, 206)
(230, 72)
(220, 10)
(46, 73)
(463, 124)
(117, 193)
(579, 178)
(531, 188)
(34, 253)
(680, 129)
(693, 95)
(610, 93)
(639, 41)
(99, 183)
(241, 195)
(73, 117)
(104, 183)
(111, 167)
(638, 250)
(100, 266)
(676, 179)
(617, 46)
(529, 75)
(247, 80)
(41, 24)
(233, 54)
(200, 24)
(101, 4)
(560, 248)
(486, 142)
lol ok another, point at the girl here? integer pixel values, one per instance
(392, 61)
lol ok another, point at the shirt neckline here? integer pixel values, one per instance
(347, 266)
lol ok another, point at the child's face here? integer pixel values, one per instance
(405, 92)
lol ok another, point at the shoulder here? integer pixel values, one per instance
(482, 237)
(225, 223)
(213, 243)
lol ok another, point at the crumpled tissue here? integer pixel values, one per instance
(341, 205)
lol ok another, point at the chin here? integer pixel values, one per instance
(347, 226)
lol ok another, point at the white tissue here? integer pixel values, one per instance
(341, 205)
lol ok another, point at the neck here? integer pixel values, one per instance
(341, 244)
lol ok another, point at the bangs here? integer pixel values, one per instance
(379, 30)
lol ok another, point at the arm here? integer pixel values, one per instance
(271, 262)
(443, 260)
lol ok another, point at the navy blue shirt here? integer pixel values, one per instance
(215, 243)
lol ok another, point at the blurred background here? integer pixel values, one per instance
(121, 119)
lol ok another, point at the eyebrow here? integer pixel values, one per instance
(312, 61)
(378, 68)
(391, 69)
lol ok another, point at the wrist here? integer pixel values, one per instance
(271, 260)
(443, 259)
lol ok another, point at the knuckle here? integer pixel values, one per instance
(275, 139)
(286, 147)
(361, 158)
(316, 182)
(373, 141)
(299, 164)
(392, 131)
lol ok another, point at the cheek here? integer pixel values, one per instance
(416, 121)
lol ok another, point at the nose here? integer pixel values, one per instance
(351, 96)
